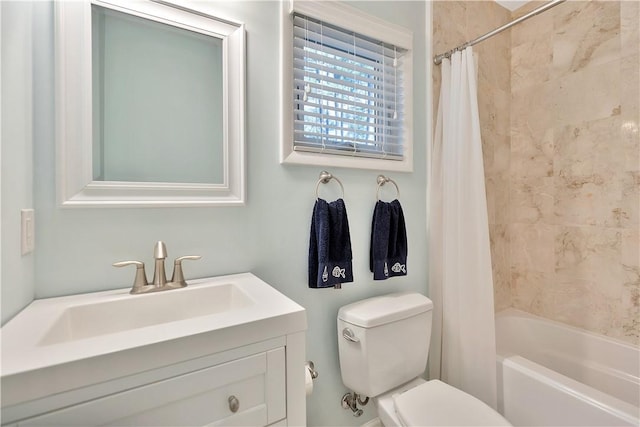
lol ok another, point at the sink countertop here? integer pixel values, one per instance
(31, 369)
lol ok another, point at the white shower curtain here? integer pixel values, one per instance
(460, 278)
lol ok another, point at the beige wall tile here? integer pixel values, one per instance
(496, 150)
(589, 163)
(630, 28)
(529, 290)
(496, 54)
(630, 136)
(591, 94)
(591, 253)
(630, 316)
(532, 247)
(531, 200)
(586, 34)
(630, 90)
(493, 106)
(497, 186)
(589, 147)
(594, 199)
(538, 27)
(530, 63)
(484, 16)
(502, 155)
(581, 304)
(629, 214)
(575, 162)
(528, 7)
(449, 18)
(530, 107)
(500, 264)
(630, 250)
(568, 299)
(531, 152)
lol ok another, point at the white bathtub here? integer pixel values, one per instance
(551, 374)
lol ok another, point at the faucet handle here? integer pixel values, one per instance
(178, 276)
(141, 276)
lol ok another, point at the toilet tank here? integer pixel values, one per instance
(384, 341)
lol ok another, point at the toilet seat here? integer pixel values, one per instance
(435, 403)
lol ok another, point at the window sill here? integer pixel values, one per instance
(341, 161)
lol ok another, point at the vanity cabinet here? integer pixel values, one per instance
(223, 351)
(249, 391)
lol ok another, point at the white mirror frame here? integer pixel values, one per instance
(73, 89)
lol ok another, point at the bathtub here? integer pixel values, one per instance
(551, 374)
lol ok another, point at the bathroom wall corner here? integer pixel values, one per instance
(17, 274)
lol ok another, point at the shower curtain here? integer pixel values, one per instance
(460, 277)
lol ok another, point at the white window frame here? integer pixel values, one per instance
(341, 15)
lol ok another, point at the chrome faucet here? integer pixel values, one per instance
(159, 276)
(159, 282)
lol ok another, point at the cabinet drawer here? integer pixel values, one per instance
(198, 398)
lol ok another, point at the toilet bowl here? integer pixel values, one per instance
(434, 403)
(384, 344)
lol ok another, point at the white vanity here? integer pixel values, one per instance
(222, 351)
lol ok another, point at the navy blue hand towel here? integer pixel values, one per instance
(329, 245)
(388, 255)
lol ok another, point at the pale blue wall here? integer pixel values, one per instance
(17, 275)
(269, 236)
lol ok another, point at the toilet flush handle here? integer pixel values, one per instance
(348, 335)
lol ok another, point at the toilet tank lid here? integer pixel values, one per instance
(384, 309)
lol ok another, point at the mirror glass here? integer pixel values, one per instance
(157, 101)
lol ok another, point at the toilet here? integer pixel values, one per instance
(384, 344)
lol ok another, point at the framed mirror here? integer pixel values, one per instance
(149, 105)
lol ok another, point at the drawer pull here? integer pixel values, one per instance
(234, 404)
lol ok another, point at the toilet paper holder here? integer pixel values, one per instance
(312, 369)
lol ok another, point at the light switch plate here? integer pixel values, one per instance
(27, 231)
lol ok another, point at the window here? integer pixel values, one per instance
(350, 92)
(347, 92)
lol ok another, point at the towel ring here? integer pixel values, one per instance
(325, 177)
(382, 180)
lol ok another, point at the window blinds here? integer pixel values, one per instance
(348, 96)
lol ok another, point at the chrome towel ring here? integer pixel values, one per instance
(325, 177)
(382, 180)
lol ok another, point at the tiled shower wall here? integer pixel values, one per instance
(575, 161)
(558, 97)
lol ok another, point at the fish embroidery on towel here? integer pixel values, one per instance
(386, 269)
(325, 274)
(397, 268)
(338, 272)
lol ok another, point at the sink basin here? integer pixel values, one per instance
(102, 329)
(133, 312)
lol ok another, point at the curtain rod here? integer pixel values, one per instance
(438, 58)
